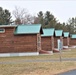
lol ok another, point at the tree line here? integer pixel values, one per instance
(47, 19)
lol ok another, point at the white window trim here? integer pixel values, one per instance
(2, 31)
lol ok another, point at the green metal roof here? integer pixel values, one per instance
(48, 32)
(66, 34)
(58, 32)
(28, 29)
(73, 36)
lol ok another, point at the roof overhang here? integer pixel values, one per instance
(6, 26)
(25, 33)
(41, 30)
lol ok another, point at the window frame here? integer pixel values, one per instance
(3, 30)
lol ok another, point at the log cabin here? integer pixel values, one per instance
(66, 39)
(47, 39)
(22, 40)
(58, 36)
(73, 40)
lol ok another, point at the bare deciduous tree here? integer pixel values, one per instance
(22, 16)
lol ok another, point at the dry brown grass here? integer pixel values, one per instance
(38, 68)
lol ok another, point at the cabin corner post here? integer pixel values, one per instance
(68, 41)
(38, 42)
(52, 41)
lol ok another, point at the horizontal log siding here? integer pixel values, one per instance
(66, 41)
(72, 41)
(10, 43)
(56, 42)
(25, 43)
(46, 43)
(6, 40)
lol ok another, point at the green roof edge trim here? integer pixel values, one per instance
(66, 34)
(28, 29)
(73, 36)
(48, 32)
(58, 33)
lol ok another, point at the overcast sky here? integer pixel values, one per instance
(61, 9)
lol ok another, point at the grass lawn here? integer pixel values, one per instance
(38, 68)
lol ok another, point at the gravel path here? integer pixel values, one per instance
(23, 61)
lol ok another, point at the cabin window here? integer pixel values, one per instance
(2, 30)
